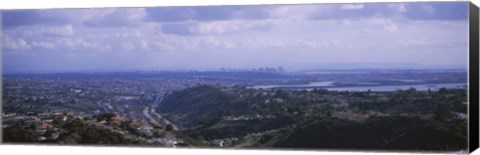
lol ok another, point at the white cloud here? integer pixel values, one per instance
(211, 42)
(171, 42)
(120, 17)
(299, 11)
(378, 20)
(162, 46)
(228, 26)
(428, 8)
(78, 44)
(399, 7)
(66, 30)
(280, 11)
(218, 27)
(137, 33)
(15, 44)
(429, 42)
(285, 44)
(351, 7)
(128, 46)
(163, 43)
(144, 45)
(390, 27)
(107, 48)
(126, 35)
(43, 44)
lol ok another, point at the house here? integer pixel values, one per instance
(48, 121)
(45, 126)
(146, 127)
(43, 114)
(137, 124)
(217, 142)
(169, 142)
(118, 119)
(93, 122)
(42, 138)
(8, 115)
(57, 113)
(55, 135)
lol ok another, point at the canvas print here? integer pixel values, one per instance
(359, 76)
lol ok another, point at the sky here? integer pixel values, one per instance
(296, 37)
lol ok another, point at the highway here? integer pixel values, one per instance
(152, 110)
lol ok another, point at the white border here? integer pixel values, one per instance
(85, 150)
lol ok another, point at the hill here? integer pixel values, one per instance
(197, 107)
(379, 133)
(400, 120)
(216, 112)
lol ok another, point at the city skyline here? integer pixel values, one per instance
(317, 36)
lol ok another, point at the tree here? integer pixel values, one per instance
(17, 134)
(442, 111)
(169, 127)
(33, 126)
(105, 116)
(442, 90)
(49, 132)
(58, 121)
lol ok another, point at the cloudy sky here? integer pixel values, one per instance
(326, 36)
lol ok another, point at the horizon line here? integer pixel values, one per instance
(218, 70)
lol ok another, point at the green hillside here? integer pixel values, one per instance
(401, 120)
(388, 133)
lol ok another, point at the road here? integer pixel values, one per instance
(152, 110)
(147, 115)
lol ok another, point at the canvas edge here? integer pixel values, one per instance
(473, 111)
